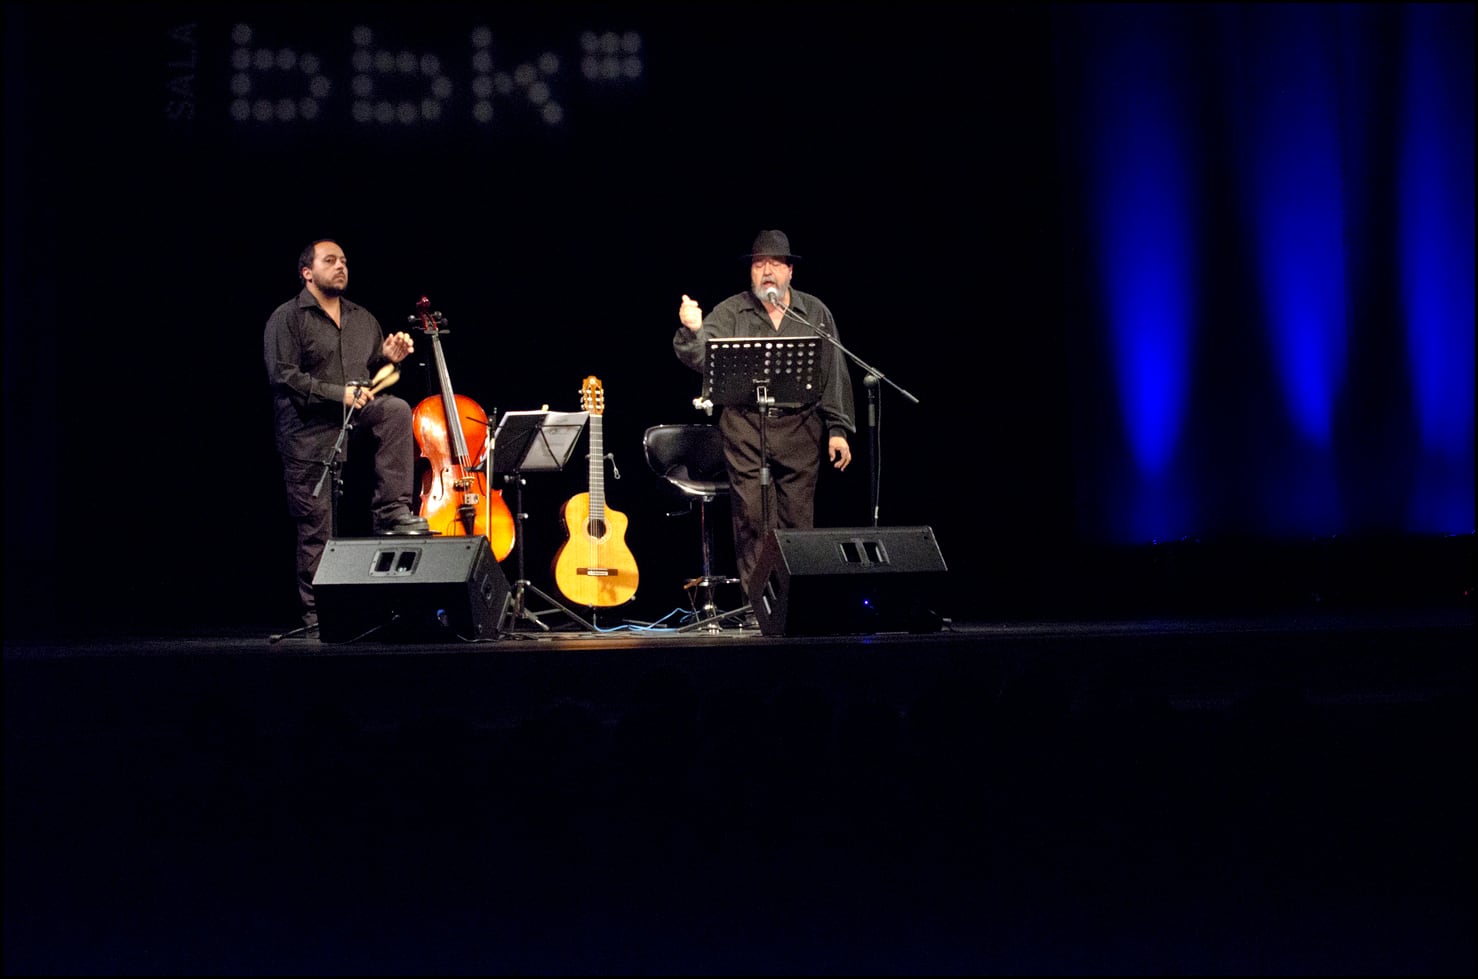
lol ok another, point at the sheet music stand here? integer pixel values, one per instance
(534, 441)
(762, 373)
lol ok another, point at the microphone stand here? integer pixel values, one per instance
(874, 395)
(874, 444)
(331, 462)
(330, 465)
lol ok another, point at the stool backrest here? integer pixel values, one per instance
(690, 457)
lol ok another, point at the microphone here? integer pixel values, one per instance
(772, 296)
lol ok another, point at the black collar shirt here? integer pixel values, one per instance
(310, 361)
(744, 315)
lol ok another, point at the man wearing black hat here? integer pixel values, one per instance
(794, 436)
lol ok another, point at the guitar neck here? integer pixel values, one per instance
(597, 470)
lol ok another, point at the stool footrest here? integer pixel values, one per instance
(710, 582)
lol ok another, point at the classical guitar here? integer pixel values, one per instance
(594, 567)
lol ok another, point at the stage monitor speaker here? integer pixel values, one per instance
(409, 589)
(847, 581)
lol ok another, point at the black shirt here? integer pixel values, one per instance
(310, 361)
(744, 315)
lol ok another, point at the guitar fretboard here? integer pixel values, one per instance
(597, 473)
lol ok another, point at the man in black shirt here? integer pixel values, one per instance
(322, 351)
(794, 437)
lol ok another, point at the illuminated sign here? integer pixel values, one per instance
(383, 84)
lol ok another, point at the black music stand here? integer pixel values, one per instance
(762, 373)
(533, 441)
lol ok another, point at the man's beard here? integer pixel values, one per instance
(781, 288)
(331, 288)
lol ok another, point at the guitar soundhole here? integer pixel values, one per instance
(596, 528)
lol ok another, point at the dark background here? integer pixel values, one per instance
(1151, 796)
(914, 156)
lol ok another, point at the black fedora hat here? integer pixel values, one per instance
(773, 243)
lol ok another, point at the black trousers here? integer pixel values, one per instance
(793, 448)
(383, 426)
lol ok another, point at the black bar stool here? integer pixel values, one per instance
(691, 458)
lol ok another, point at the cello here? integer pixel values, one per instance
(455, 499)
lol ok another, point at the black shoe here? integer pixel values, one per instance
(302, 633)
(402, 522)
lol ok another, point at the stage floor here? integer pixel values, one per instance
(1192, 795)
(1188, 661)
